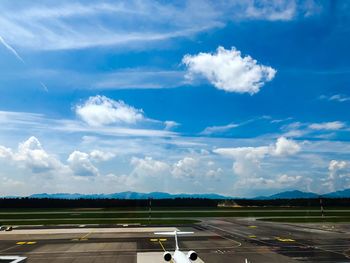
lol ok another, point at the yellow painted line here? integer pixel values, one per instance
(252, 236)
(21, 243)
(252, 226)
(83, 238)
(31, 243)
(75, 239)
(163, 239)
(160, 243)
(154, 240)
(285, 239)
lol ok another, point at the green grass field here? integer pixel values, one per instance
(164, 215)
(340, 219)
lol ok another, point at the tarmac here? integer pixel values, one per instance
(215, 240)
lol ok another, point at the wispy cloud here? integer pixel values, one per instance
(139, 78)
(11, 49)
(24, 121)
(77, 24)
(218, 129)
(335, 97)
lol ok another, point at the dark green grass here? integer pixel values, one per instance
(160, 209)
(308, 219)
(158, 214)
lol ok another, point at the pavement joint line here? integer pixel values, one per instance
(6, 249)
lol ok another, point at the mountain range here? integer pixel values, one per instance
(161, 195)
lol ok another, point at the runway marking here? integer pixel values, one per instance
(163, 239)
(252, 226)
(160, 243)
(252, 236)
(153, 240)
(26, 243)
(84, 237)
(285, 239)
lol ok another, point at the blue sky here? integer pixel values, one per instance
(241, 98)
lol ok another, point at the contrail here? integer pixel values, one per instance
(44, 86)
(11, 49)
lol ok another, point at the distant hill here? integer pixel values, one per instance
(289, 195)
(129, 195)
(295, 194)
(338, 194)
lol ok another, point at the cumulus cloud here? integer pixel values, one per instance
(81, 165)
(285, 147)
(100, 111)
(148, 166)
(97, 155)
(214, 173)
(334, 125)
(31, 155)
(247, 160)
(5, 152)
(227, 70)
(339, 175)
(185, 168)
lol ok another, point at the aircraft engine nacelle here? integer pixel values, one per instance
(192, 255)
(167, 256)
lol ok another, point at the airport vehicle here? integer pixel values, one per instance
(178, 256)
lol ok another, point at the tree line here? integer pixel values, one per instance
(8, 203)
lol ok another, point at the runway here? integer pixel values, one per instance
(215, 240)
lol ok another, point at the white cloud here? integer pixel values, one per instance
(214, 173)
(81, 165)
(5, 152)
(11, 49)
(247, 162)
(72, 24)
(100, 111)
(227, 70)
(246, 159)
(140, 78)
(170, 125)
(278, 182)
(32, 156)
(339, 175)
(271, 10)
(335, 125)
(218, 129)
(97, 155)
(185, 168)
(285, 147)
(336, 97)
(148, 166)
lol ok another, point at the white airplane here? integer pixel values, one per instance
(178, 256)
